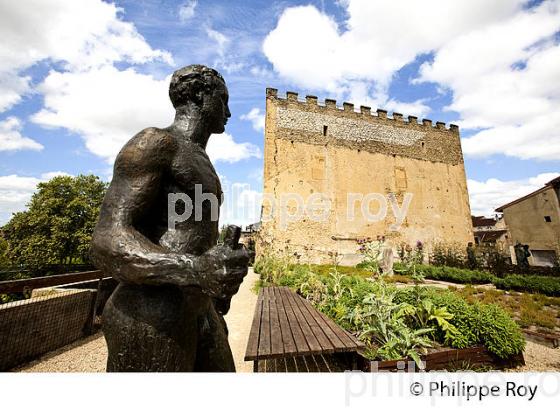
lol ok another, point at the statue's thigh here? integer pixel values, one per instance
(213, 350)
(148, 331)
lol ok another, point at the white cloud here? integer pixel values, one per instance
(513, 90)
(12, 88)
(50, 175)
(222, 147)
(242, 205)
(310, 49)
(187, 10)
(486, 196)
(257, 175)
(107, 107)
(417, 108)
(256, 117)
(16, 191)
(11, 138)
(104, 105)
(220, 39)
(81, 34)
(500, 60)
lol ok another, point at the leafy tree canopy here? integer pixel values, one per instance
(58, 224)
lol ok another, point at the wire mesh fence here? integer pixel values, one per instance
(31, 327)
(51, 317)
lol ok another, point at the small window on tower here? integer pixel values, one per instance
(547, 219)
(324, 130)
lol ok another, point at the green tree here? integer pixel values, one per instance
(58, 224)
(4, 261)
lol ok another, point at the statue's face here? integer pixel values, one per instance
(217, 108)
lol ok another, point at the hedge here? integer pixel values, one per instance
(546, 285)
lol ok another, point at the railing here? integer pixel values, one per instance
(23, 285)
(14, 272)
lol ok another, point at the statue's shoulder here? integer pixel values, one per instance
(150, 147)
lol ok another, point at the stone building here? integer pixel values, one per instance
(534, 220)
(493, 233)
(335, 175)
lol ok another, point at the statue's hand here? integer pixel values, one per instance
(223, 270)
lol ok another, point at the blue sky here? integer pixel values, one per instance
(78, 78)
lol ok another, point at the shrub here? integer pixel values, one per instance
(475, 323)
(455, 275)
(547, 285)
(498, 331)
(448, 254)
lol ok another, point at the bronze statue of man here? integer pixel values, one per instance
(175, 282)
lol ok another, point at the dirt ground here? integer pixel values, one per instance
(90, 354)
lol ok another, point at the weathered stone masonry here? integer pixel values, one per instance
(331, 152)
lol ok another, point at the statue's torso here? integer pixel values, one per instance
(191, 173)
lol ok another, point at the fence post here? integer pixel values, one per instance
(88, 330)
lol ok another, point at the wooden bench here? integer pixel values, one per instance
(289, 334)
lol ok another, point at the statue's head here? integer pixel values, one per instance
(206, 89)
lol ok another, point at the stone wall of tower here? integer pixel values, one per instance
(330, 156)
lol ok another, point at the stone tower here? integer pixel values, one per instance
(333, 176)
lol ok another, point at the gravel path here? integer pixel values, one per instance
(86, 355)
(90, 354)
(539, 358)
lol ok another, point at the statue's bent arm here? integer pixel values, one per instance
(117, 246)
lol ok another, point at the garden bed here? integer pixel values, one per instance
(472, 358)
(398, 322)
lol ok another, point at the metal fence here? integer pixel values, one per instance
(61, 309)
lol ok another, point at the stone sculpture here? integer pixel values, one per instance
(175, 282)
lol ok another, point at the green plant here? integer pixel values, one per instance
(383, 322)
(455, 275)
(547, 285)
(476, 323)
(410, 257)
(371, 251)
(427, 314)
(498, 332)
(448, 254)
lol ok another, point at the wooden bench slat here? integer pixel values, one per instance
(276, 337)
(316, 328)
(264, 339)
(324, 326)
(300, 343)
(253, 343)
(287, 336)
(351, 343)
(312, 342)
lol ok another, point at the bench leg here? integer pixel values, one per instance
(255, 366)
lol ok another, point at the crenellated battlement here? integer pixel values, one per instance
(348, 108)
